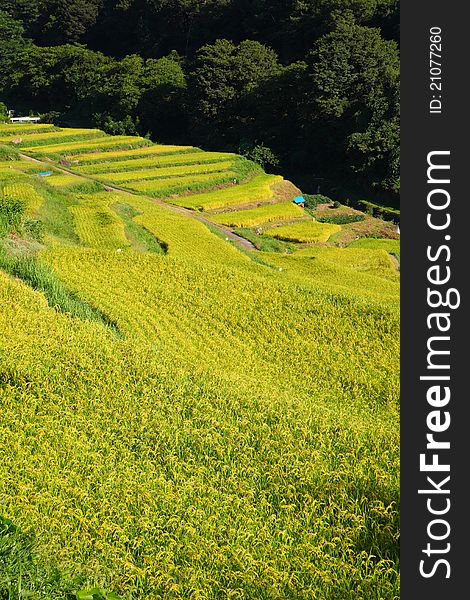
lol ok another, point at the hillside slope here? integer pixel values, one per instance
(184, 418)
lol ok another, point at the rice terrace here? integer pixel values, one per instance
(199, 378)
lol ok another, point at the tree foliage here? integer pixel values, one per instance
(316, 84)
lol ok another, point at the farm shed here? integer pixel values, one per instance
(299, 200)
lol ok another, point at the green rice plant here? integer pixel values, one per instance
(166, 172)
(341, 219)
(20, 166)
(103, 142)
(258, 190)
(118, 155)
(8, 155)
(281, 211)
(305, 232)
(185, 158)
(179, 185)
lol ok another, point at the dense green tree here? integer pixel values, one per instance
(224, 75)
(65, 21)
(354, 83)
(313, 83)
(161, 105)
(12, 45)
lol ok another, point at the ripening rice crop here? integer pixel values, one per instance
(185, 158)
(22, 166)
(165, 172)
(63, 180)
(342, 271)
(97, 142)
(179, 185)
(197, 243)
(25, 192)
(117, 155)
(96, 224)
(223, 425)
(390, 246)
(307, 232)
(281, 211)
(258, 190)
(70, 135)
(7, 129)
(234, 434)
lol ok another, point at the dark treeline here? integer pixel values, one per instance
(308, 87)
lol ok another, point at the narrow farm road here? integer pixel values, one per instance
(247, 245)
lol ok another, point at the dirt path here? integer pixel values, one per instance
(247, 245)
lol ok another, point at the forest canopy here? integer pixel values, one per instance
(307, 87)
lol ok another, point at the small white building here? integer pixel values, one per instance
(24, 119)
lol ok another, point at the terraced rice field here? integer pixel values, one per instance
(258, 190)
(309, 231)
(390, 246)
(63, 180)
(100, 141)
(186, 419)
(166, 172)
(23, 192)
(13, 129)
(117, 155)
(282, 211)
(33, 138)
(166, 161)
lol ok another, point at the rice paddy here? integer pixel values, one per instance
(184, 158)
(228, 426)
(308, 232)
(282, 211)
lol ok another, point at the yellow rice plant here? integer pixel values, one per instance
(179, 185)
(335, 269)
(63, 180)
(184, 158)
(98, 142)
(306, 232)
(390, 246)
(96, 224)
(54, 136)
(117, 155)
(258, 190)
(25, 192)
(165, 172)
(185, 237)
(7, 129)
(247, 410)
(281, 211)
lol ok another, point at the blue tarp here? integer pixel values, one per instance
(45, 173)
(299, 199)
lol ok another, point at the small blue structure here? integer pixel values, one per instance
(45, 173)
(299, 200)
